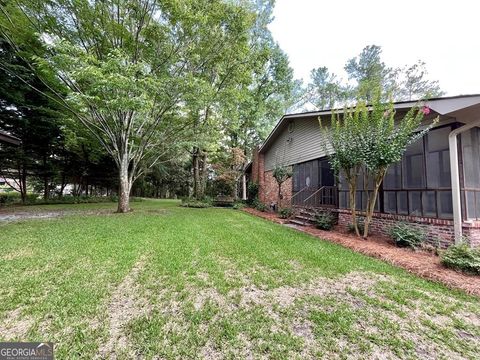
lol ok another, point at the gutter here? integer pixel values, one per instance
(455, 178)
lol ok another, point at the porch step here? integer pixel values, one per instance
(305, 218)
(297, 222)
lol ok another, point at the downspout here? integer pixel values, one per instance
(454, 172)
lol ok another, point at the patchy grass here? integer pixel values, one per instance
(171, 282)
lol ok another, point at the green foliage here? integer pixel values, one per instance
(367, 73)
(282, 173)
(406, 235)
(252, 192)
(260, 206)
(366, 140)
(239, 205)
(462, 257)
(324, 220)
(199, 204)
(285, 213)
(360, 226)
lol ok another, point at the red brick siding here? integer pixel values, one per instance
(438, 232)
(472, 232)
(270, 190)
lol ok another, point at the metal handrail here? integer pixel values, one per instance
(313, 194)
(306, 187)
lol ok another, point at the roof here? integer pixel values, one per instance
(441, 105)
(7, 138)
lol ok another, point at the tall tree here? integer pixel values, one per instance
(326, 89)
(415, 85)
(368, 74)
(32, 117)
(125, 63)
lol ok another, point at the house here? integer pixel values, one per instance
(436, 186)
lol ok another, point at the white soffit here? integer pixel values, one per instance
(447, 106)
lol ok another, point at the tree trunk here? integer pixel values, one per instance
(353, 209)
(279, 196)
(23, 184)
(196, 172)
(372, 199)
(124, 189)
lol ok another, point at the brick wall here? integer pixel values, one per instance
(270, 190)
(438, 232)
(472, 232)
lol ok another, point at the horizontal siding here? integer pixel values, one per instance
(306, 143)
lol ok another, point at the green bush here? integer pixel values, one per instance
(462, 257)
(238, 205)
(324, 220)
(198, 204)
(361, 227)
(406, 235)
(259, 205)
(252, 190)
(285, 213)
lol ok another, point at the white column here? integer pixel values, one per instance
(455, 176)
(244, 187)
(454, 173)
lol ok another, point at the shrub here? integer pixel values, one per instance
(462, 257)
(285, 213)
(259, 206)
(360, 225)
(324, 220)
(198, 204)
(238, 205)
(252, 193)
(406, 235)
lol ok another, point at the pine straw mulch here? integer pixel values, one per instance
(422, 263)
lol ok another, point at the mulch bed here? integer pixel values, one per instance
(424, 264)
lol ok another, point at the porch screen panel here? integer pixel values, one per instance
(420, 184)
(438, 159)
(471, 171)
(414, 166)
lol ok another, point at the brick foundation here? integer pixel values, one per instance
(472, 233)
(439, 232)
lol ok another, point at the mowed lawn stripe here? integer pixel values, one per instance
(214, 283)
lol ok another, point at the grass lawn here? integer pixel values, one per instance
(171, 282)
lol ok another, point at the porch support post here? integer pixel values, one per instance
(455, 177)
(244, 187)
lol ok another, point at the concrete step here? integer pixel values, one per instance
(297, 222)
(305, 218)
(306, 212)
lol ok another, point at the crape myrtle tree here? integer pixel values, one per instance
(365, 140)
(281, 174)
(124, 64)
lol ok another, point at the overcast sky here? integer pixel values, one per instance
(443, 33)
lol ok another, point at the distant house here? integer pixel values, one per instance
(436, 186)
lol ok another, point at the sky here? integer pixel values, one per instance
(444, 33)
